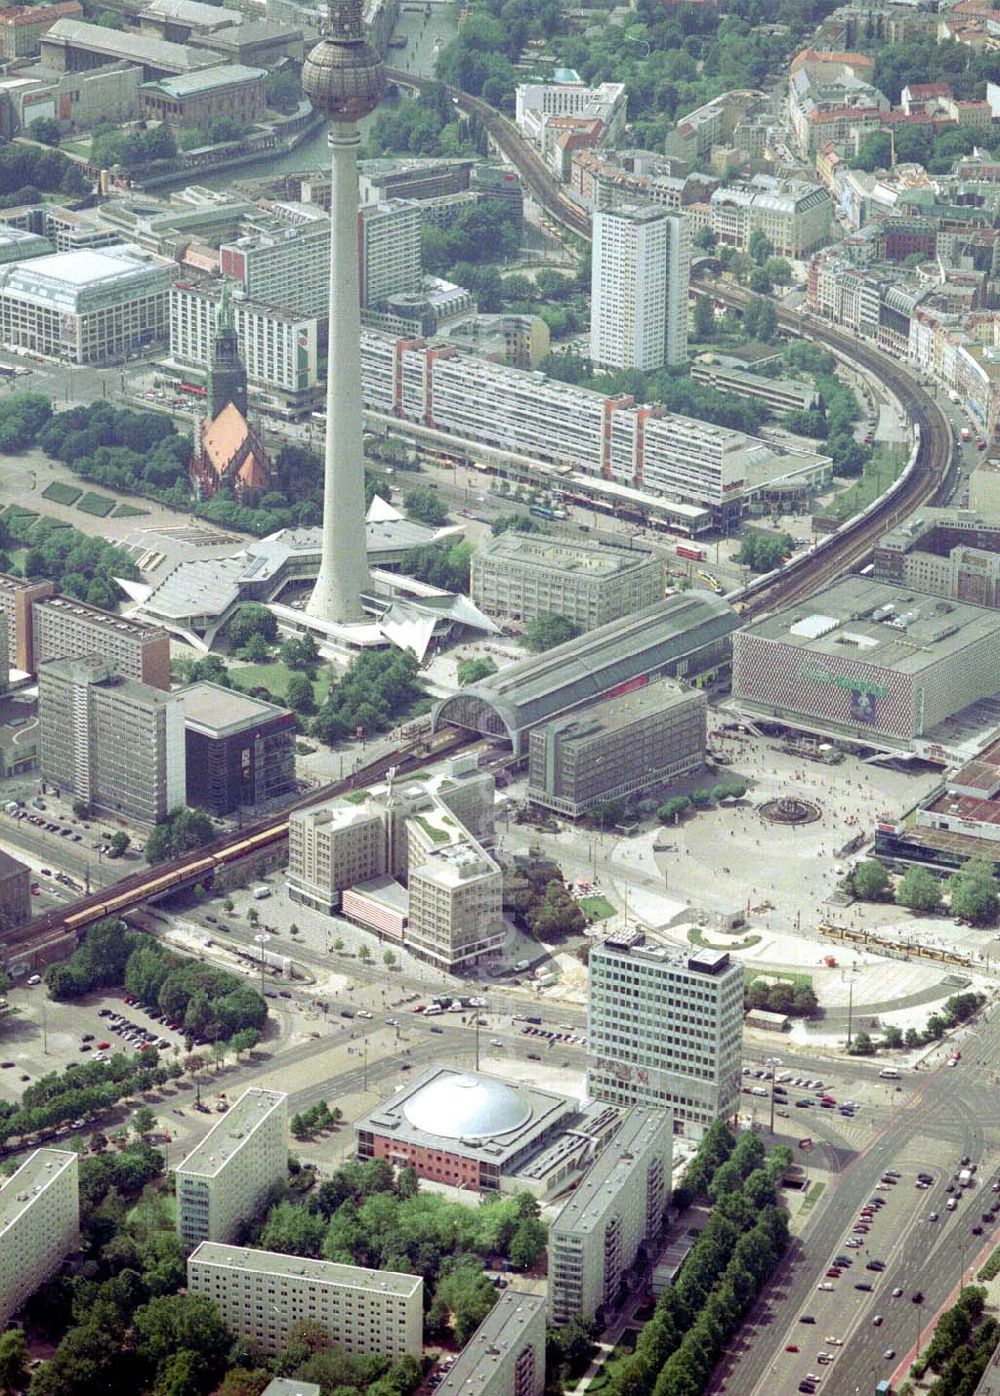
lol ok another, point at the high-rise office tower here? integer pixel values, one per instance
(343, 78)
(389, 248)
(640, 272)
(666, 1029)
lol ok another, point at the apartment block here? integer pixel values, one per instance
(15, 892)
(64, 628)
(389, 247)
(537, 102)
(226, 1177)
(279, 347)
(261, 1294)
(111, 742)
(283, 264)
(520, 576)
(640, 276)
(39, 1224)
(665, 1029)
(618, 1208)
(21, 27)
(615, 443)
(506, 1354)
(617, 748)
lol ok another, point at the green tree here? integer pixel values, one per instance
(143, 1121)
(252, 619)
(760, 247)
(175, 1324)
(256, 650)
(299, 694)
(861, 1045)
(528, 1243)
(45, 129)
(701, 799)
(299, 652)
(760, 319)
(671, 810)
(870, 881)
(704, 318)
(547, 631)
(919, 890)
(472, 670)
(973, 893)
(13, 1360)
(388, 958)
(119, 842)
(421, 503)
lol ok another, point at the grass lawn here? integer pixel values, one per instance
(747, 943)
(100, 505)
(61, 493)
(16, 558)
(128, 511)
(797, 981)
(811, 1198)
(274, 677)
(17, 511)
(886, 464)
(596, 908)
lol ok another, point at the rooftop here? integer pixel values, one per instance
(125, 43)
(622, 710)
(455, 865)
(231, 1132)
(709, 962)
(193, 13)
(501, 1331)
(94, 669)
(11, 866)
(291, 1386)
(587, 1207)
(569, 555)
(105, 620)
(77, 281)
(190, 84)
(218, 711)
(30, 1180)
(586, 668)
(300, 1267)
(483, 1117)
(880, 626)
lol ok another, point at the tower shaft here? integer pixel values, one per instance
(343, 573)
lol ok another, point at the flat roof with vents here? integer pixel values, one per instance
(231, 1132)
(588, 1206)
(30, 1181)
(327, 1272)
(501, 1330)
(888, 626)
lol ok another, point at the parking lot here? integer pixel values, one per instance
(43, 1036)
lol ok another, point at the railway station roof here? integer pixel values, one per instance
(621, 654)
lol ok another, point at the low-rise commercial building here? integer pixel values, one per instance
(616, 748)
(39, 1224)
(796, 216)
(15, 892)
(618, 1208)
(239, 750)
(883, 665)
(86, 307)
(195, 100)
(780, 394)
(947, 552)
(226, 1177)
(521, 576)
(113, 743)
(666, 1029)
(506, 1354)
(260, 1295)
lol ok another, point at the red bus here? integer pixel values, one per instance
(689, 550)
(194, 389)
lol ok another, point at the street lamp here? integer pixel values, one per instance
(262, 940)
(772, 1062)
(850, 981)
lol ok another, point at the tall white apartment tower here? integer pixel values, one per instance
(640, 271)
(343, 78)
(39, 1224)
(666, 1029)
(389, 247)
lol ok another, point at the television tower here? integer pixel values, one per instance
(343, 77)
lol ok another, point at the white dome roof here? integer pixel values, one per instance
(467, 1107)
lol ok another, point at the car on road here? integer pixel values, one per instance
(791, 1347)
(876, 1320)
(875, 1265)
(6, 1065)
(834, 1342)
(925, 1177)
(806, 1318)
(496, 1042)
(854, 1242)
(865, 1287)
(891, 1173)
(933, 1216)
(825, 1284)
(897, 1292)
(977, 1231)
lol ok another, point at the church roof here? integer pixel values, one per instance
(253, 473)
(224, 436)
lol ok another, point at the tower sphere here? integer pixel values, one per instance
(343, 76)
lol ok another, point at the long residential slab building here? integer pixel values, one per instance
(261, 1294)
(525, 417)
(506, 1354)
(39, 1224)
(619, 1206)
(226, 1177)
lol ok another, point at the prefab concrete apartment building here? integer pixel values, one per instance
(619, 1206)
(506, 1354)
(39, 1224)
(261, 1294)
(226, 1177)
